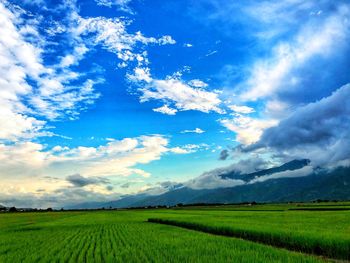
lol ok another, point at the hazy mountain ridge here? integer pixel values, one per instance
(319, 184)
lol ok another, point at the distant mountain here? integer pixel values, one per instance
(86, 205)
(126, 201)
(319, 184)
(333, 185)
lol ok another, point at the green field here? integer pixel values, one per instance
(127, 236)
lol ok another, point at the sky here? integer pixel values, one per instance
(104, 98)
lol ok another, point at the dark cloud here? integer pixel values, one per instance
(224, 155)
(217, 178)
(79, 181)
(320, 129)
(125, 185)
(109, 187)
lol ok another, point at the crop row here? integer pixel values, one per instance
(122, 237)
(306, 244)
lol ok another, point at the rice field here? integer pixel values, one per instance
(127, 236)
(315, 229)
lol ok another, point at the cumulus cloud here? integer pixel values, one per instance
(181, 96)
(180, 150)
(165, 109)
(197, 83)
(248, 129)
(112, 34)
(174, 92)
(241, 109)
(21, 159)
(116, 157)
(33, 92)
(24, 166)
(61, 197)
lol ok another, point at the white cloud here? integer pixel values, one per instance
(182, 96)
(286, 12)
(72, 59)
(21, 157)
(21, 162)
(165, 109)
(196, 130)
(248, 130)
(188, 45)
(166, 40)
(140, 74)
(116, 158)
(280, 80)
(241, 109)
(197, 83)
(177, 95)
(277, 73)
(311, 129)
(179, 150)
(121, 4)
(276, 108)
(113, 36)
(33, 92)
(29, 88)
(212, 181)
(190, 148)
(305, 171)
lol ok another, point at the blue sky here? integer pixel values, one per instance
(125, 95)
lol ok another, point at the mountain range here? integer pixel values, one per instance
(292, 181)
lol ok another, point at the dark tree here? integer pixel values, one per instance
(13, 209)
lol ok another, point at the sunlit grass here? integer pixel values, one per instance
(324, 233)
(122, 236)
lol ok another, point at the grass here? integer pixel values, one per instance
(124, 236)
(323, 231)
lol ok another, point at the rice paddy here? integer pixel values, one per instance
(127, 236)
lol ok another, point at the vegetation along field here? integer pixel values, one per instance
(259, 233)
